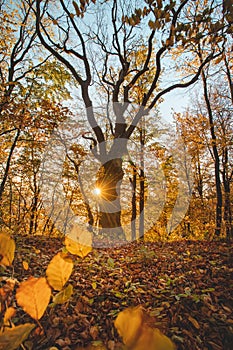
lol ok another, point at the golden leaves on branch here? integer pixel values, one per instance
(33, 296)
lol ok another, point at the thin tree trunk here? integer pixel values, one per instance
(133, 182)
(218, 214)
(227, 200)
(86, 202)
(6, 172)
(142, 181)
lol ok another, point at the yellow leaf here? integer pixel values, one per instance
(137, 335)
(7, 249)
(64, 295)
(94, 285)
(12, 338)
(10, 312)
(59, 271)
(77, 248)
(33, 296)
(25, 265)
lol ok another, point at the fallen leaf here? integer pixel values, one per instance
(10, 312)
(77, 248)
(25, 265)
(194, 322)
(64, 295)
(59, 271)
(7, 249)
(12, 338)
(137, 335)
(94, 332)
(33, 296)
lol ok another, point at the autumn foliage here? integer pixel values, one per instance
(34, 296)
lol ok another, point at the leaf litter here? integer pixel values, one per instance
(186, 288)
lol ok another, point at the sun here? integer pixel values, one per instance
(97, 191)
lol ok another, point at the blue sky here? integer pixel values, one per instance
(176, 100)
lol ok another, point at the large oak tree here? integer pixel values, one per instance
(95, 41)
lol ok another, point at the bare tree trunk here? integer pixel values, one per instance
(86, 202)
(133, 182)
(227, 200)
(142, 181)
(6, 172)
(218, 213)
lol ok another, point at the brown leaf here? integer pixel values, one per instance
(194, 322)
(94, 332)
(12, 338)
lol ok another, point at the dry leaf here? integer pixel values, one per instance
(11, 339)
(25, 265)
(137, 335)
(10, 312)
(59, 271)
(33, 296)
(7, 249)
(77, 248)
(194, 322)
(94, 332)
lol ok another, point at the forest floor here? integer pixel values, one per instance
(186, 285)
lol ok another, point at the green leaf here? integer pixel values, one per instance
(63, 296)
(207, 290)
(110, 262)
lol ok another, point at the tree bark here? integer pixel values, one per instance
(142, 180)
(6, 172)
(218, 212)
(226, 177)
(109, 180)
(133, 182)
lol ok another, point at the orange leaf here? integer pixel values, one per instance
(10, 312)
(25, 265)
(137, 335)
(59, 271)
(33, 296)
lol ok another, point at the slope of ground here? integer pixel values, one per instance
(186, 286)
